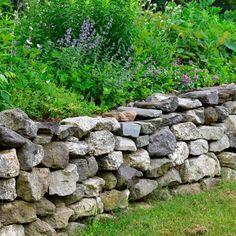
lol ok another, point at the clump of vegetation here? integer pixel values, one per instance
(67, 58)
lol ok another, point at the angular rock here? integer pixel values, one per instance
(39, 228)
(8, 189)
(101, 142)
(198, 147)
(231, 107)
(142, 113)
(17, 120)
(85, 207)
(231, 123)
(195, 169)
(100, 206)
(125, 144)
(156, 123)
(112, 161)
(110, 124)
(17, 212)
(44, 207)
(142, 141)
(31, 186)
(188, 189)
(63, 182)
(180, 153)
(115, 199)
(30, 155)
(209, 183)
(172, 118)
(75, 228)
(109, 178)
(65, 131)
(125, 175)
(162, 194)
(186, 131)
(139, 159)
(219, 145)
(232, 139)
(171, 178)
(142, 188)
(93, 186)
(75, 196)
(146, 127)
(79, 148)
(9, 164)
(10, 139)
(167, 103)
(92, 166)
(227, 159)
(228, 174)
(56, 155)
(162, 143)
(12, 230)
(84, 124)
(60, 218)
(187, 103)
(222, 112)
(124, 116)
(129, 129)
(211, 116)
(209, 97)
(42, 139)
(196, 116)
(47, 128)
(211, 132)
(158, 167)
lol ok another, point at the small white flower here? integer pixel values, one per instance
(39, 46)
(28, 41)
(30, 28)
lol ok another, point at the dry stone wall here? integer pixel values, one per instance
(55, 175)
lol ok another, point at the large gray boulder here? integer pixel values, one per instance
(9, 164)
(8, 189)
(162, 143)
(101, 142)
(17, 120)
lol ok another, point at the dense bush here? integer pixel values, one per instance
(61, 58)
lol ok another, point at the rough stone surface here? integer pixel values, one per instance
(172, 118)
(130, 129)
(197, 116)
(48, 128)
(115, 199)
(12, 230)
(79, 148)
(56, 155)
(93, 186)
(125, 175)
(125, 144)
(110, 124)
(171, 178)
(198, 147)
(124, 116)
(219, 145)
(227, 159)
(8, 189)
(162, 143)
(209, 183)
(65, 131)
(142, 141)
(231, 123)
(180, 153)
(85, 207)
(112, 161)
(187, 189)
(17, 120)
(142, 113)
(156, 122)
(39, 228)
(17, 212)
(10, 139)
(142, 188)
(63, 182)
(211, 116)
(195, 169)
(231, 107)
(211, 132)
(44, 207)
(9, 164)
(187, 103)
(232, 139)
(31, 186)
(75, 196)
(42, 139)
(139, 159)
(186, 131)
(30, 155)
(60, 218)
(222, 112)
(209, 97)
(228, 174)
(109, 178)
(158, 167)
(101, 142)
(146, 127)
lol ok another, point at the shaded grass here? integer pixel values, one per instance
(214, 212)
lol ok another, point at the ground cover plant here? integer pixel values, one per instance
(209, 213)
(66, 58)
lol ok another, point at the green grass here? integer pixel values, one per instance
(214, 211)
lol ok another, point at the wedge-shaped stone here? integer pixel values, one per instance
(125, 144)
(219, 145)
(188, 103)
(171, 178)
(197, 116)
(231, 123)
(44, 207)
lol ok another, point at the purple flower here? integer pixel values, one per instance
(185, 79)
(156, 72)
(190, 62)
(215, 77)
(177, 62)
(196, 77)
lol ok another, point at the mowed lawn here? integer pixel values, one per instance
(209, 213)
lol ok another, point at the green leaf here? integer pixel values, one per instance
(3, 79)
(231, 44)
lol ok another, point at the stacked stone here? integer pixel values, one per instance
(55, 175)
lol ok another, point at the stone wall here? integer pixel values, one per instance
(55, 175)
